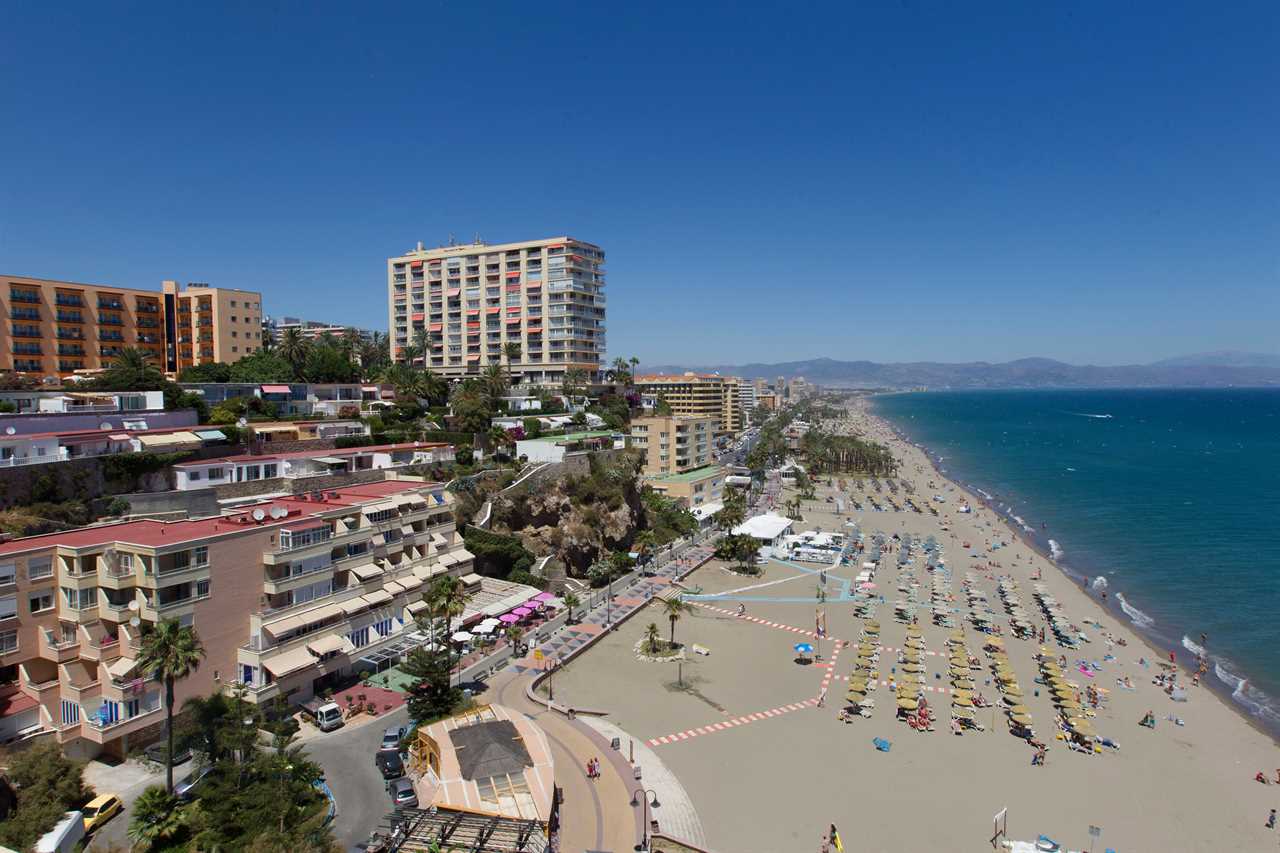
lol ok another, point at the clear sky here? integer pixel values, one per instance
(1096, 182)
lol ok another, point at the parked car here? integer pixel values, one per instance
(157, 751)
(391, 738)
(389, 763)
(185, 788)
(99, 810)
(402, 794)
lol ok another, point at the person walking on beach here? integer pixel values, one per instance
(1271, 820)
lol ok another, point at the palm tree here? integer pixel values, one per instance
(132, 370)
(170, 652)
(574, 383)
(672, 608)
(651, 637)
(496, 383)
(571, 601)
(620, 371)
(447, 599)
(293, 349)
(514, 635)
(156, 817)
(434, 388)
(512, 350)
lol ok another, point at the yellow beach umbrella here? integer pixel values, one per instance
(1018, 709)
(913, 667)
(962, 701)
(1011, 700)
(1081, 727)
(908, 704)
(1022, 719)
(1012, 690)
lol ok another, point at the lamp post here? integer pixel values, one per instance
(640, 796)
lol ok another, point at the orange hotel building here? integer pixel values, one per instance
(286, 595)
(55, 328)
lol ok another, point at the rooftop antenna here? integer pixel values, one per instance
(452, 241)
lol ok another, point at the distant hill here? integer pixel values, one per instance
(1022, 373)
(1223, 358)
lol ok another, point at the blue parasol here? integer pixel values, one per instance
(804, 648)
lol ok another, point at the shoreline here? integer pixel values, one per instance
(1211, 682)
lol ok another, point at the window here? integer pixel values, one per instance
(39, 567)
(8, 573)
(8, 641)
(235, 349)
(248, 674)
(233, 305)
(8, 607)
(234, 333)
(268, 471)
(194, 475)
(359, 638)
(202, 555)
(202, 588)
(80, 599)
(41, 601)
(215, 473)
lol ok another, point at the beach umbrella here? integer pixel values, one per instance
(1069, 707)
(483, 628)
(962, 713)
(1022, 719)
(908, 704)
(462, 636)
(508, 618)
(913, 667)
(804, 648)
(1081, 727)
(967, 694)
(1011, 700)
(522, 611)
(962, 701)
(1018, 709)
(856, 695)
(1012, 690)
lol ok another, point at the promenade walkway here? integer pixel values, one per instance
(596, 814)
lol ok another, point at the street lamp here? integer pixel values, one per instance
(636, 800)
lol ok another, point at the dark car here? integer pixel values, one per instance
(389, 763)
(391, 737)
(402, 794)
(157, 751)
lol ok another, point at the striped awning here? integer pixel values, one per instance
(377, 598)
(289, 662)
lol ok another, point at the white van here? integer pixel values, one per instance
(64, 836)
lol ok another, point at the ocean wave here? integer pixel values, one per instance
(1101, 583)
(1193, 647)
(1135, 615)
(986, 495)
(1055, 550)
(1256, 702)
(1088, 415)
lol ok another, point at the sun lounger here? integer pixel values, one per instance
(881, 744)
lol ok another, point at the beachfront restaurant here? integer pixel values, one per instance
(770, 530)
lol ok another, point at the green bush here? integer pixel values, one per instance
(344, 441)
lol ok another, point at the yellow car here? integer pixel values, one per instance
(100, 810)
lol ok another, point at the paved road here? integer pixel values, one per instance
(116, 831)
(347, 758)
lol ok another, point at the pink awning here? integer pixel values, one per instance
(275, 389)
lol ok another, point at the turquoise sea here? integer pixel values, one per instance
(1172, 496)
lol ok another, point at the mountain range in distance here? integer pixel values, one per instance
(1206, 370)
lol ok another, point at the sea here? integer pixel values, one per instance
(1167, 499)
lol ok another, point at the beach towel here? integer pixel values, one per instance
(881, 744)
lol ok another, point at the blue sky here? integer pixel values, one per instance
(1099, 183)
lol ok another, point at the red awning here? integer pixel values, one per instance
(513, 321)
(417, 317)
(473, 358)
(535, 330)
(515, 274)
(373, 388)
(513, 288)
(473, 312)
(275, 389)
(455, 291)
(417, 265)
(532, 284)
(493, 311)
(436, 327)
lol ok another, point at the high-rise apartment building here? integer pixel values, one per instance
(696, 394)
(287, 596)
(674, 444)
(680, 458)
(55, 328)
(459, 307)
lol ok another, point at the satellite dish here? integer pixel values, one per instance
(133, 605)
(104, 425)
(242, 423)
(258, 515)
(135, 622)
(9, 430)
(279, 512)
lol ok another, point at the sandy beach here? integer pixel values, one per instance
(769, 770)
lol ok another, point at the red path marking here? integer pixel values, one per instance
(731, 724)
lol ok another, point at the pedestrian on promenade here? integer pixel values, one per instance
(1271, 820)
(822, 697)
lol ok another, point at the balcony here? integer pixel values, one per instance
(27, 366)
(96, 730)
(70, 335)
(69, 300)
(147, 323)
(70, 317)
(114, 304)
(66, 349)
(108, 320)
(24, 314)
(110, 336)
(58, 649)
(69, 366)
(147, 308)
(26, 349)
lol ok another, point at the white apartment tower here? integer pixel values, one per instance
(455, 309)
